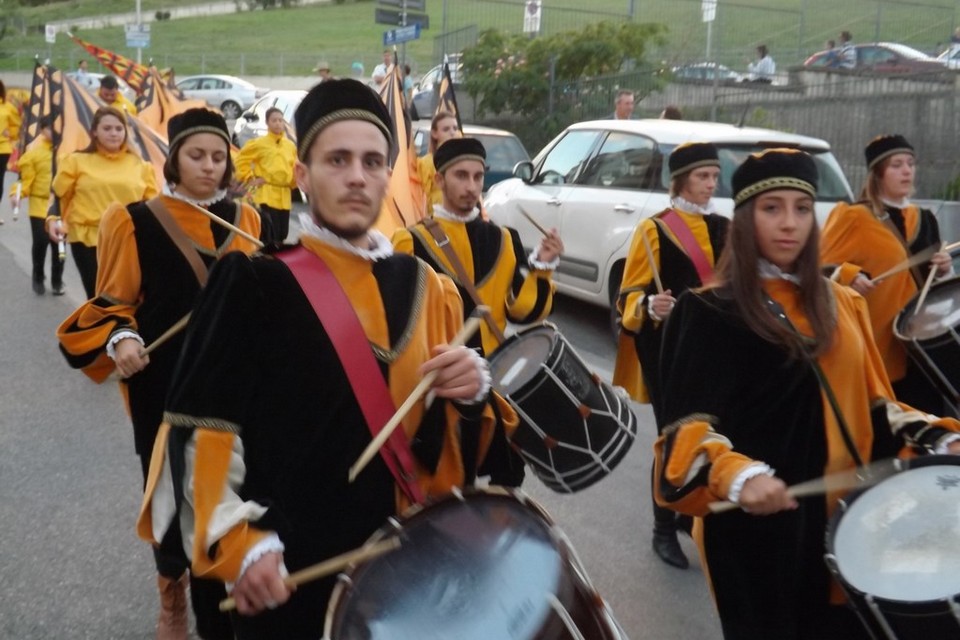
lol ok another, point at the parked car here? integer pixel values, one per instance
(951, 57)
(504, 150)
(705, 72)
(597, 180)
(252, 123)
(228, 93)
(424, 89)
(880, 57)
(92, 82)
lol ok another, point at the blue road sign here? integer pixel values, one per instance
(403, 34)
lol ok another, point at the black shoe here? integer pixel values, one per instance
(668, 548)
(58, 289)
(38, 287)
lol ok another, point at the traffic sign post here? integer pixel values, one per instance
(138, 35)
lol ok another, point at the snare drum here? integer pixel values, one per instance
(574, 428)
(476, 566)
(931, 337)
(895, 549)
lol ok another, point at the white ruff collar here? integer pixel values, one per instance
(380, 246)
(443, 214)
(685, 205)
(770, 271)
(896, 205)
(219, 195)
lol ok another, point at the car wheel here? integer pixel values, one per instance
(231, 110)
(616, 275)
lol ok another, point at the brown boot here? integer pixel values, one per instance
(172, 623)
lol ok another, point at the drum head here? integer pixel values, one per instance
(517, 362)
(898, 540)
(469, 569)
(938, 315)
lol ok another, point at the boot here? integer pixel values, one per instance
(665, 543)
(172, 623)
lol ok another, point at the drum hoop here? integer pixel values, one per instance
(909, 306)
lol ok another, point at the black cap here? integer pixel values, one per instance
(692, 155)
(885, 146)
(193, 121)
(774, 169)
(334, 101)
(456, 149)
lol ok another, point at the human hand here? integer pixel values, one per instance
(262, 586)
(763, 495)
(862, 284)
(662, 304)
(128, 357)
(458, 377)
(954, 448)
(550, 247)
(941, 261)
(56, 230)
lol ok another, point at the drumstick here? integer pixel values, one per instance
(951, 247)
(912, 261)
(653, 263)
(166, 335)
(926, 285)
(469, 328)
(865, 476)
(330, 566)
(546, 234)
(223, 223)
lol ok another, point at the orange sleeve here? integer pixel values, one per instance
(839, 245)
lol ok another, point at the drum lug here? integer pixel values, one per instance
(878, 616)
(955, 607)
(831, 561)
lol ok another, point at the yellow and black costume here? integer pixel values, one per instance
(36, 174)
(271, 157)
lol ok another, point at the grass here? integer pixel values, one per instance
(290, 41)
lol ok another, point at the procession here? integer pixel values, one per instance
(670, 377)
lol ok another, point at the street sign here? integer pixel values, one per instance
(708, 9)
(138, 35)
(50, 31)
(394, 17)
(415, 5)
(403, 34)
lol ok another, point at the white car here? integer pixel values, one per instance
(951, 57)
(228, 93)
(252, 123)
(597, 180)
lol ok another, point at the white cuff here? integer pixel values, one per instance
(754, 470)
(269, 544)
(943, 445)
(486, 380)
(117, 337)
(539, 265)
(949, 274)
(653, 314)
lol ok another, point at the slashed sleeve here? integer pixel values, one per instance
(530, 298)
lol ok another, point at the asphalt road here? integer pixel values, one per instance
(70, 562)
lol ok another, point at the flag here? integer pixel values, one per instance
(157, 102)
(404, 204)
(446, 98)
(130, 71)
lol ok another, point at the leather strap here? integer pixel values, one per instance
(689, 244)
(179, 238)
(444, 243)
(887, 221)
(340, 321)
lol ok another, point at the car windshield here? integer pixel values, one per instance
(503, 152)
(831, 185)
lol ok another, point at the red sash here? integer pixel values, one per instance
(340, 321)
(689, 245)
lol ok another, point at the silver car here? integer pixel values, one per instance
(228, 93)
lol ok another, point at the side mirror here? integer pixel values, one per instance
(250, 116)
(524, 171)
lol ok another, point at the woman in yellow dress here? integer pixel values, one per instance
(443, 127)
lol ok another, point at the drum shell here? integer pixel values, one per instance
(938, 356)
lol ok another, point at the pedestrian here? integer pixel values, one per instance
(266, 164)
(9, 133)
(111, 95)
(763, 68)
(443, 126)
(671, 112)
(685, 240)
(881, 230)
(748, 417)
(89, 180)
(323, 70)
(486, 262)
(36, 166)
(622, 106)
(262, 415)
(847, 56)
(83, 75)
(407, 83)
(382, 69)
(154, 258)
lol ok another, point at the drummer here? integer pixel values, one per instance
(485, 261)
(684, 243)
(883, 229)
(748, 417)
(261, 419)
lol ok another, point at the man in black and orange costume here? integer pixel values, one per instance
(263, 421)
(486, 262)
(683, 242)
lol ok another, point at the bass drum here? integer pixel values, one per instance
(477, 566)
(894, 549)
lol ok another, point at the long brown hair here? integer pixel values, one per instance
(440, 115)
(100, 114)
(872, 192)
(737, 272)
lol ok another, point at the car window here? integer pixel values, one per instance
(503, 152)
(624, 161)
(189, 85)
(430, 78)
(565, 158)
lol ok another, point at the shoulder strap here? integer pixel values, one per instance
(179, 238)
(689, 244)
(918, 278)
(340, 321)
(444, 243)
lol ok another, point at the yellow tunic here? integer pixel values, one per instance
(427, 173)
(9, 127)
(270, 157)
(36, 166)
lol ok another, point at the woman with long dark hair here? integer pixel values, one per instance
(747, 416)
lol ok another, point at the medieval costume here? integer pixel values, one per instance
(271, 157)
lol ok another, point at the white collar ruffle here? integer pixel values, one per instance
(905, 202)
(440, 212)
(380, 246)
(770, 271)
(220, 194)
(685, 205)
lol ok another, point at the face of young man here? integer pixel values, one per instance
(345, 178)
(275, 123)
(700, 185)
(461, 184)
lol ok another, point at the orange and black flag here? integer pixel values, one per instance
(157, 102)
(446, 98)
(130, 71)
(405, 203)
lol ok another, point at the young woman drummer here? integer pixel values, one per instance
(747, 417)
(684, 241)
(865, 239)
(154, 257)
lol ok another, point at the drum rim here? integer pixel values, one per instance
(902, 315)
(552, 354)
